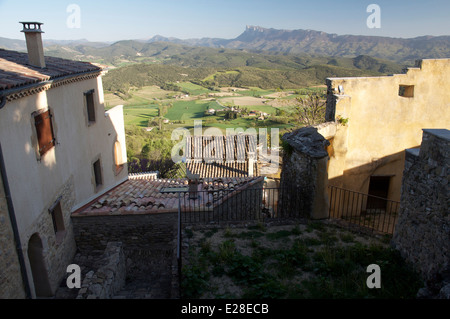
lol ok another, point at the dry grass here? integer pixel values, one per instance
(315, 260)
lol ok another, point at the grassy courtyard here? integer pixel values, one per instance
(303, 261)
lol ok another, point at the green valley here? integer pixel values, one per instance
(167, 86)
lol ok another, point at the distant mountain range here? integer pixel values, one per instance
(20, 45)
(320, 43)
(258, 39)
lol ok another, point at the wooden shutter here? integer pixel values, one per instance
(44, 129)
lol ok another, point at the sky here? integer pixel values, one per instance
(137, 19)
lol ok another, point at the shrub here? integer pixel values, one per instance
(195, 281)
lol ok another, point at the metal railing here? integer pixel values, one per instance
(252, 204)
(372, 212)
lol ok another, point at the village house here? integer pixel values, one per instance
(59, 150)
(372, 120)
(356, 157)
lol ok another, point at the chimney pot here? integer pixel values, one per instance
(35, 47)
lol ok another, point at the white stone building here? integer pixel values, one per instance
(59, 150)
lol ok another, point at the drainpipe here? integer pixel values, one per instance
(12, 217)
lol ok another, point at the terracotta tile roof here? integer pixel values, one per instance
(229, 154)
(143, 196)
(224, 169)
(15, 72)
(144, 175)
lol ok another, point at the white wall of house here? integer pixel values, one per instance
(36, 182)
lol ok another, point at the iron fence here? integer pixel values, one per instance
(372, 212)
(252, 204)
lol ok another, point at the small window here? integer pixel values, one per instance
(98, 173)
(90, 105)
(406, 90)
(58, 221)
(44, 130)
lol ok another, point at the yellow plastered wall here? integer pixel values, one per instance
(382, 124)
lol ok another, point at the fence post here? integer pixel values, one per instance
(179, 243)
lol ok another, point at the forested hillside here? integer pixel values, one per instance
(221, 67)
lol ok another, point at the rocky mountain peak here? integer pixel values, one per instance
(255, 28)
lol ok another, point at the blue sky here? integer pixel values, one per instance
(136, 19)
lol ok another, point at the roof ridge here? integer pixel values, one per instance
(17, 73)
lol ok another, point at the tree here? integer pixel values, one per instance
(310, 110)
(229, 115)
(156, 121)
(163, 109)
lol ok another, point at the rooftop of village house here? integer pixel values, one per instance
(153, 195)
(16, 72)
(222, 156)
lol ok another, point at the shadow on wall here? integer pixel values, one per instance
(369, 195)
(381, 177)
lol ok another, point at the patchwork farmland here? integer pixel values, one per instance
(194, 101)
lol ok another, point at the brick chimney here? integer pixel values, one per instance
(193, 184)
(35, 47)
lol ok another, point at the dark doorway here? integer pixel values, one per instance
(378, 191)
(38, 269)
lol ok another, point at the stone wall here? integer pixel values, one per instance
(303, 176)
(422, 233)
(11, 284)
(60, 249)
(135, 231)
(149, 244)
(109, 278)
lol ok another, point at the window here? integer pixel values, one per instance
(90, 106)
(58, 221)
(406, 90)
(97, 173)
(44, 130)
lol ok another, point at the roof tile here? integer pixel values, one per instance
(16, 72)
(144, 196)
(230, 155)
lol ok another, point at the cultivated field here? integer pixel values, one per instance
(243, 100)
(139, 115)
(142, 105)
